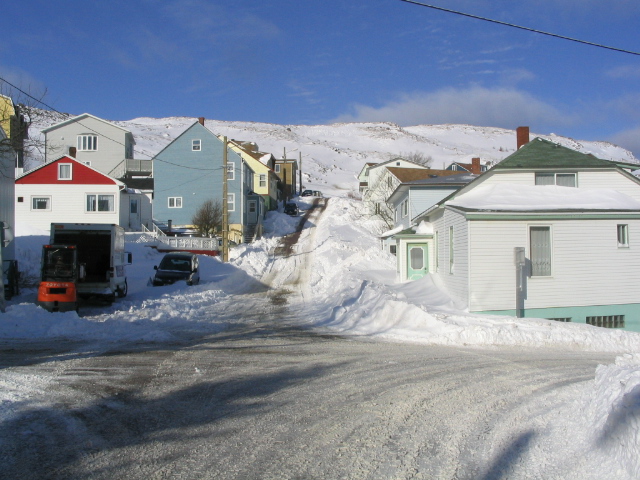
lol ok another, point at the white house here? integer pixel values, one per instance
(574, 218)
(66, 190)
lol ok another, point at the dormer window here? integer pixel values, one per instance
(87, 143)
(196, 145)
(64, 171)
(561, 179)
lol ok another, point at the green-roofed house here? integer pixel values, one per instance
(576, 219)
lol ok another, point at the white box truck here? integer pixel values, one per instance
(82, 260)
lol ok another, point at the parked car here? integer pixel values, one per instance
(291, 209)
(177, 266)
(307, 193)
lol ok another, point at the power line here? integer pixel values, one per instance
(521, 27)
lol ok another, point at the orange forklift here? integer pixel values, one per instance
(60, 274)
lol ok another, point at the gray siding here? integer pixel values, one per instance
(7, 197)
(114, 143)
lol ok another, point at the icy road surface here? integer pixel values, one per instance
(266, 398)
(273, 401)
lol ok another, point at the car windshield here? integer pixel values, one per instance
(179, 264)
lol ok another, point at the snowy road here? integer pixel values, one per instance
(241, 389)
(267, 400)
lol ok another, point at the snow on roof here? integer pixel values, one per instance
(542, 197)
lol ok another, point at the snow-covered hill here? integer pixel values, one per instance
(332, 155)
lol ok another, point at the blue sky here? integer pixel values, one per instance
(321, 61)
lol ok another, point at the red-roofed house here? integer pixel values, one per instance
(66, 190)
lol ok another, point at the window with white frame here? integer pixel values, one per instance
(263, 180)
(560, 179)
(405, 208)
(41, 203)
(277, 166)
(196, 144)
(175, 202)
(540, 250)
(623, 235)
(231, 202)
(437, 255)
(451, 250)
(231, 171)
(87, 143)
(100, 202)
(64, 171)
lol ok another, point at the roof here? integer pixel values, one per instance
(80, 117)
(541, 154)
(67, 158)
(406, 175)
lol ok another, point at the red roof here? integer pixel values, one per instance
(81, 174)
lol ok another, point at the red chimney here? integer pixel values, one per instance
(72, 152)
(522, 136)
(201, 120)
(475, 166)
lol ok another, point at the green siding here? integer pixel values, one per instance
(579, 314)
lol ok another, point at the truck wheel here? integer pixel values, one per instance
(122, 292)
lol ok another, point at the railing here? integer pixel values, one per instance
(190, 243)
(132, 166)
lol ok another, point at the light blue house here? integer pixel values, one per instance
(189, 172)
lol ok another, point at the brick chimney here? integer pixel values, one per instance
(475, 165)
(522, 136)
(201, 120)
(72, 152)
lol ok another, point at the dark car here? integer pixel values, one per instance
(175, 267)
(307, 193)
(291, 208)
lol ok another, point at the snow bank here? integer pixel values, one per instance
(612, 412)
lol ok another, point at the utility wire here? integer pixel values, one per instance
(521, 27)
(67, 116)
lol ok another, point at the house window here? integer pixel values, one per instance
(392, 249)
(40, 203)
(231, 171)
(175, 202)
(231, 202)
(263, 180)
(540, 251)
(277, 168)
(560, 179)
(87, 143)
(405, 208)
(64, 171)
(20, 199)
(196, 145)
(451, 249)
(623, 235)
(100, 203)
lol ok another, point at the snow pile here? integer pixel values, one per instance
(612, 412)
(543, 197)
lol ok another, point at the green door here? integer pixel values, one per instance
(417, 260)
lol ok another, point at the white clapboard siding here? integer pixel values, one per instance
(610, 180)
(588, 267)
(457, 282)
(68, 204)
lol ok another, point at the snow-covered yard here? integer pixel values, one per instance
(348, 287)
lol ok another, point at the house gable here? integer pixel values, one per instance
(80, 174)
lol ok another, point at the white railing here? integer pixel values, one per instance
(190, 243)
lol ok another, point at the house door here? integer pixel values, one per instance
(252, 207)
(417, 260)
(134, 214)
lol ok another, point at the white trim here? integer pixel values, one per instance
(550, 229)
(623, 235)
(196, 145)
(47, 197)
(231, 204)
(177, 202)
(231, 171)
(87, 142)
(97, 202)
(70, 177)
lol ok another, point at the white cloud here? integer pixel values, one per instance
(629, 139)
(499, 107)
(624, 72)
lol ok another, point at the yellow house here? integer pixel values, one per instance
(265, 181)
(15, 128)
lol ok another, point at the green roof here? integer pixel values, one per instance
(541, 153)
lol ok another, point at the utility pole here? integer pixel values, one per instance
(225, 204)
(300, 170)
